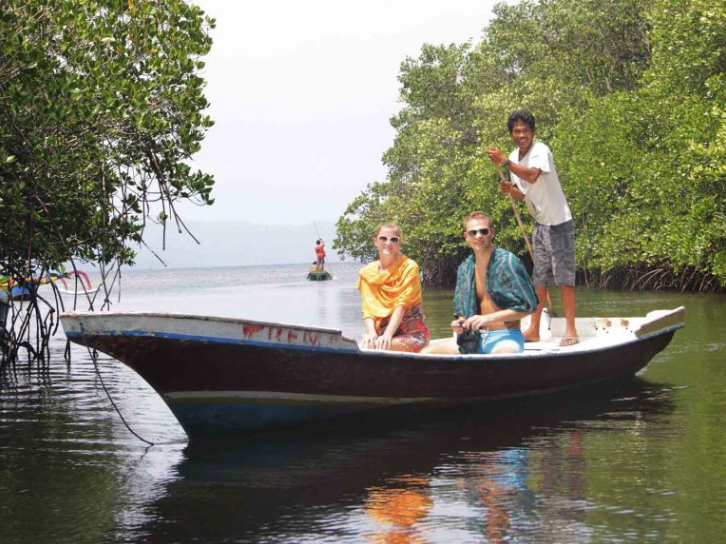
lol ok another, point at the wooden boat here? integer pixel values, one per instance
(21, 290)
(221, 375)
(319, 275)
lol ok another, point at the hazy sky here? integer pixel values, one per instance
(302, 93)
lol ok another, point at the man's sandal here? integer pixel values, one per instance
(569, 341)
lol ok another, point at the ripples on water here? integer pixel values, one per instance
(640, 462)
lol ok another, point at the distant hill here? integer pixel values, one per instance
(235, 243)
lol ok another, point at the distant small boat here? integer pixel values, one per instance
(319, 275)
(221, 375)
(21, 290)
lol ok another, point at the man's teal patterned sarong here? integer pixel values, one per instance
(508, 284)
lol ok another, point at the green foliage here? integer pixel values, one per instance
(555, 57)
(100, 105)
(630, 96)
(646, 167)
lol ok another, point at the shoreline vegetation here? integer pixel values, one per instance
(101, 106)
(686, 280)
(631, 97)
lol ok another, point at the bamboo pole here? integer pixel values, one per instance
(550, 306)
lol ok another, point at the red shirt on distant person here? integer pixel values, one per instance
(320, 252)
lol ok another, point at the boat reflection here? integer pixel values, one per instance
(493, 471)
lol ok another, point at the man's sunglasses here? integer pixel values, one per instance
(384, 239)
(473, 232)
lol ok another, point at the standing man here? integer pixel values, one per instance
(320, 255)
(535, 180)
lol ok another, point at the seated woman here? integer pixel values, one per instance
(391, 291)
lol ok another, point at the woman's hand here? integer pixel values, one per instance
(369, 340)
(375, 341)
(383, 342)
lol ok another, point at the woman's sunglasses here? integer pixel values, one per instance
(473, 232)
(384, 239)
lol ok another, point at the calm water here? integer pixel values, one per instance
(642, 461)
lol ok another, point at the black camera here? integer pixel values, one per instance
(468, 341)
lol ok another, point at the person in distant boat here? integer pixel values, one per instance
(493, 293)
(320, 255)
(392, 301)
(535, 180)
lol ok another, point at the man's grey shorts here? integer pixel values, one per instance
(554, 254)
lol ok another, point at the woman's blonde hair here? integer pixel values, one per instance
(392, 226)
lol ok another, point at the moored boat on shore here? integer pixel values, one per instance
(21, 289)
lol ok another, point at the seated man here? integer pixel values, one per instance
(493, 293)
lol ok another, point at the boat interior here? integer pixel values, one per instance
(599, 332)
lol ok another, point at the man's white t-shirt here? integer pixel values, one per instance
(545, 198)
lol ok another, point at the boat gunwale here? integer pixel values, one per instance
(527, 355)
(198, 317)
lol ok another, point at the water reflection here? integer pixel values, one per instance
(491, 471)
(616, 463)
(498, 486)
(69, 470)
(397, 508)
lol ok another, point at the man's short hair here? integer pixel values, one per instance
(393, 226)
(317, 242)
(521, 116)
(476, 214)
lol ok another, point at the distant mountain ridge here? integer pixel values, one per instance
(235, 243)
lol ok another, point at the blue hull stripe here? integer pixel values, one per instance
(215, 418)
